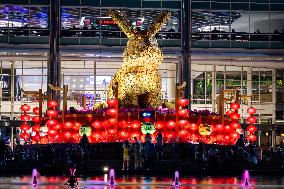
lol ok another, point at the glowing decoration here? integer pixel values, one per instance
(135, 134)
(123, 124)
(135, 124)
(194, 127)
(25, 117)
(36, 137)
(52, 113)
(25, 108)
(235, 125)
(52, 132)
(68, 125)
(219, 128)
(183, 112)
(112, 112)
(229, 112)
(159, 125)
(235, 116)
(36, 119)
(170, 135)
(183, 102)
(76, 136)
(96, 124)
(43, 129)
(51, 122)
(112, 121)
(77, 126)
(25, 127)
(251, 138)
(57, 126)
(36, 128)
(148, 128)
(36, 110)
(138, 78)
(106, 125)
(112, 132)
(123, 135)
(182, 123)
(234, 135)
(251, 129)
(228, 129)
(52, 104)
(112, 102)
(251, 120)
(24, 136)
(205, 129)
(194, 137)
(96, 135)
(67, 135)
(182, 133)
(235, 106)
(171, 124)
(84, 129)
(43, 140)
(251, 110)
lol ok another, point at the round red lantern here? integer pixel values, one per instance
(76, 136)
(135, 124)
(97, 124)
(159, 125)
(183, 112)
(96, 135)
(112, 112)
(25, 117)
(182, 123)
(36, 137)
(251, 110)
(251, 138)
(235, 125)
(36, 110)
(24, 136)
(25, 108)
(235, 116)
(228, 129)
(57, 126)
(43, 140)
(36, 119)
(51, 132)
(234, 135)
(123, 124)
(251, 120)
(193, 127)
(25, 127)
(182, 134)
(135, 134)
(112, 132)
(219, 128)
(51, 123)
(77, 126)
(67, 135)
(123, 135)
(235, 106)
(171, 124)
(112, 102)
(52, 104)
(251, 129)
(170, 135)
(52, 113)
(36, 128)
(58, 137)
(194, 137)
(68, 125)
(229, 112)
(183, 102)
(106, 125)
(112, 121)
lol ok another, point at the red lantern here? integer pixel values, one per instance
(25, 117)
(170, 135)
(251, 120)
(171, 124)
(182, 123)
(112, 102)
(135, 124)
(182, 133)
(123, 124)
(194, 137)
(251, 110)
(183, 102)
(52, 113)
(52, 104)
(112, 112)
(112, 121)
(146, 119)
(76, 136)
(251, 129)
(219, 128)
(159, 125)
(36, 137)
(227, 138)
(36, 128)
(25, 127)
(219, 138)
(251, 138)
(24, 136)
(96, 135)
(193, 127)
(235, 106)
(227, 128)
(77, 126)
(112, 132)
(106, 125)
(235, 125)
(25, 108)
(51, 123)
(57, 127)
(183, 112)
(52, 132)
(97, 124)
(135, 134)
(123, 135)
(36, 110)
(58, 137)
(36, 119)
(234, 135)
(229, 112)
(67, 135)
(235, 116)
(68, 125)
(43, 140)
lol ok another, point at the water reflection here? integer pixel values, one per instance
(142, 182)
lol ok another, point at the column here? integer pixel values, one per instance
(273, 138)
(186, 47)
(273, 96)
(171, 89)
(53, 61)
(258, 137)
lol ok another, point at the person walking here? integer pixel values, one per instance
(159, 145)
(126, 157)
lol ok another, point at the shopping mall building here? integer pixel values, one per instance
(211, 44)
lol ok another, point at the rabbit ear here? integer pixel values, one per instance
(122, 22)
(158, 22)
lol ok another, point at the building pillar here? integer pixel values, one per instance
(186, 47)
(258, 137)
(53, 61)
(273, 138)
(171, 88)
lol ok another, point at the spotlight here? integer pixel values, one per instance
(105, 169)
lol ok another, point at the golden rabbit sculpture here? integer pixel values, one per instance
(138, 79)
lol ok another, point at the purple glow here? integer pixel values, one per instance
(111, 177)
(34, 177)
(245, 179)
(176, 182)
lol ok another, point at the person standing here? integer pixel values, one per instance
(137, 153)
(159, 145)
(126, 157)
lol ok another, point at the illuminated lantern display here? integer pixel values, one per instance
(43, 140)
(112, 122)
(234, 135)
(235, 125)
(106, 125)
(68, 125)
(228, 129)
(36, 128)
(182, 133)
(123, 124)
(183, 123)
(36, 137)
(251, 110)
(112, 112)
(67, 135)
(52, 132)
(77, 126)
(229, 112)
(170, 135)
(194, 127)
(57, 126)
(135, 124)
(112, 132)
(52, 113)
(96, 124)
(24, 136)
(51, 122)
(76, 136)
(251, 120)
(183, 112)
(194, 137)
(219, 128)
(96, 136)
(123, 135)
(85, 129)
(36, 110)
(171, 124)
(235, 106)
(251, 138)
(159, 125)
(36, 119)
(25, 127)
(183, 102)
(52, 104)
(25, 108)
(205, 129)
(251, 129)
(135, 134)
(25, 117)
(112, 102)
(235, 116)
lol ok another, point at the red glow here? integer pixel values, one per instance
(183, 102)
(52, 104)
(159, 125)
(235, 106)
(25, 108)
(97, 124)
(25, 117)
(135, 124)
(251, 110)
(52, 113)
(36, 110)
(183, 112)
(171, 124)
